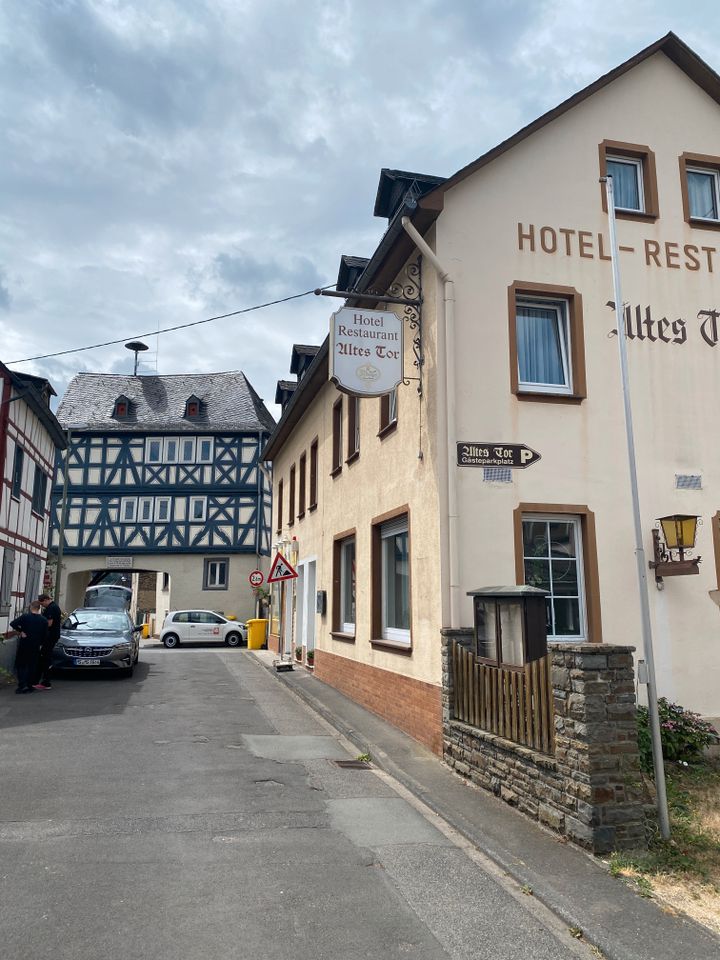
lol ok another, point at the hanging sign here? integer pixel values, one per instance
(366, 351)
(256, 578)
(281, 570)
(483, 454)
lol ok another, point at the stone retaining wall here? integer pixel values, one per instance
(589, 790)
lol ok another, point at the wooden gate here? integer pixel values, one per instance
(512, 702)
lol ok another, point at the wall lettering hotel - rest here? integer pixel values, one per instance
(483, 454)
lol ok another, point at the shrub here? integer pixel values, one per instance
(684, 734)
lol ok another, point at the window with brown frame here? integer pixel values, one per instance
(278, 528)
(301, 486)
(632, 167)
(291, 497)
(388, 413)
(312, 504)
(700, 188)
(390, 579)
(547, 343)
(353, 429)
(337, 444)
(344, 583)
(555, 549)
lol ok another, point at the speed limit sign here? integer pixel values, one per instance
(256, 578)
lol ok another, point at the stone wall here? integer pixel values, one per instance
(589, 790)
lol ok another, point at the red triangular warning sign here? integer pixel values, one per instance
(281, 570)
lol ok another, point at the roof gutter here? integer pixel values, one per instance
(446, 409)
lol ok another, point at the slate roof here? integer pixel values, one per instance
(228, 402)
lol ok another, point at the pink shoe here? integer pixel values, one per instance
(40, 686)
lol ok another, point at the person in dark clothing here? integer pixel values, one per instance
(53, 615)
(32, 630)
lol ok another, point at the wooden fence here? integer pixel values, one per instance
(512, 702)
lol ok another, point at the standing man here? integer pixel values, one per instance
(32, 629)
(53, 615)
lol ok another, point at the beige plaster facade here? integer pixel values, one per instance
(526, 218)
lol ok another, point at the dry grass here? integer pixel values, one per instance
(683, 874)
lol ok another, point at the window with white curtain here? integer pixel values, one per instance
(627, 174)
(543, 345)
(395, 580)
(703, 186)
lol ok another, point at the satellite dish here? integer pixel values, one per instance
(137, 346)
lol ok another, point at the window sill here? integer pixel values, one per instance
(387, 429)
(291, 523)
(641, 215)
(335, 471)
(392, 646)
(301, 515)
(345, 637)
(571, 398)
(214, 589)
(702, 224)
(353, 457)
(313, 506)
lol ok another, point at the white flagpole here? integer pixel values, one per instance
(658, 766)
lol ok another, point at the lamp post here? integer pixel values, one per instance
(658, 766)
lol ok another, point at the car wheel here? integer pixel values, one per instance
(171, 640)
(233, 639)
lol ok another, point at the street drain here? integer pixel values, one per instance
(269, 782)
(353, 764)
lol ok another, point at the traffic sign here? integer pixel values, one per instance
(483, 454)
(281, 570)
(256, 578)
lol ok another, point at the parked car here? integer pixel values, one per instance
(98, 639)
(189, 625)
(108, 595)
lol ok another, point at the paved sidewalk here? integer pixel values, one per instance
(574, 885)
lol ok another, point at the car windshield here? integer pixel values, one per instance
(88, 621)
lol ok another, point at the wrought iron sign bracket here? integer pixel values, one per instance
(407, 291)
(664, 566)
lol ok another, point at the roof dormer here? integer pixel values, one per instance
(193, 407)
(122, 408)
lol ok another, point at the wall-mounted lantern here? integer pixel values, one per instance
(510, 624)
(675, 533)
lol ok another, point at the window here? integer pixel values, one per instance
(344, 581)
(165, 582)
(278, 526)
(391, 581)
(39, 490)
(205, 450)
(153, 450)
(122, 408)
(171, 449)
(552, 561)
(162, 509)
(313, 474)
(145, 509)
(353, 440)
(291, 497)
(700, 187)
(6, 580)
(215, 574)
(388, 413)
(182, 617)
(192, 407)
(543, 340)
(198, 509)
(204, 616)
(17, 473)
(336, 438)
(632, 167)
(187, 450)
(547, 345)
(128, 510)
(301, 486)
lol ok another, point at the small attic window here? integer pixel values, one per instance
(192, 407)
(121, 410)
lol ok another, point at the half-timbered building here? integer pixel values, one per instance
(163, 474)
(29, 437)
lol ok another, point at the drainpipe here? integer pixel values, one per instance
(446, 405)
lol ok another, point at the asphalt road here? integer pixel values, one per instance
(196, 812)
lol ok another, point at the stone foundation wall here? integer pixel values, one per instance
(589, 790)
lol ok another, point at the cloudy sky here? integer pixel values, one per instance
(162, 161)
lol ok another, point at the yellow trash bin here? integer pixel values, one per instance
(256, 633)
(145, 631)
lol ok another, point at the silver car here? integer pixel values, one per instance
(92, 638)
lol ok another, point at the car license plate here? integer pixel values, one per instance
(87, 661)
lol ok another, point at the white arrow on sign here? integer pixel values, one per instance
(281, 570)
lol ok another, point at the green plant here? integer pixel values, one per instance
(6, 676)
(298, 653)
(310, 657)
(684, 734)
(363, 757)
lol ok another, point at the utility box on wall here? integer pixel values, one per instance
(510, 624)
